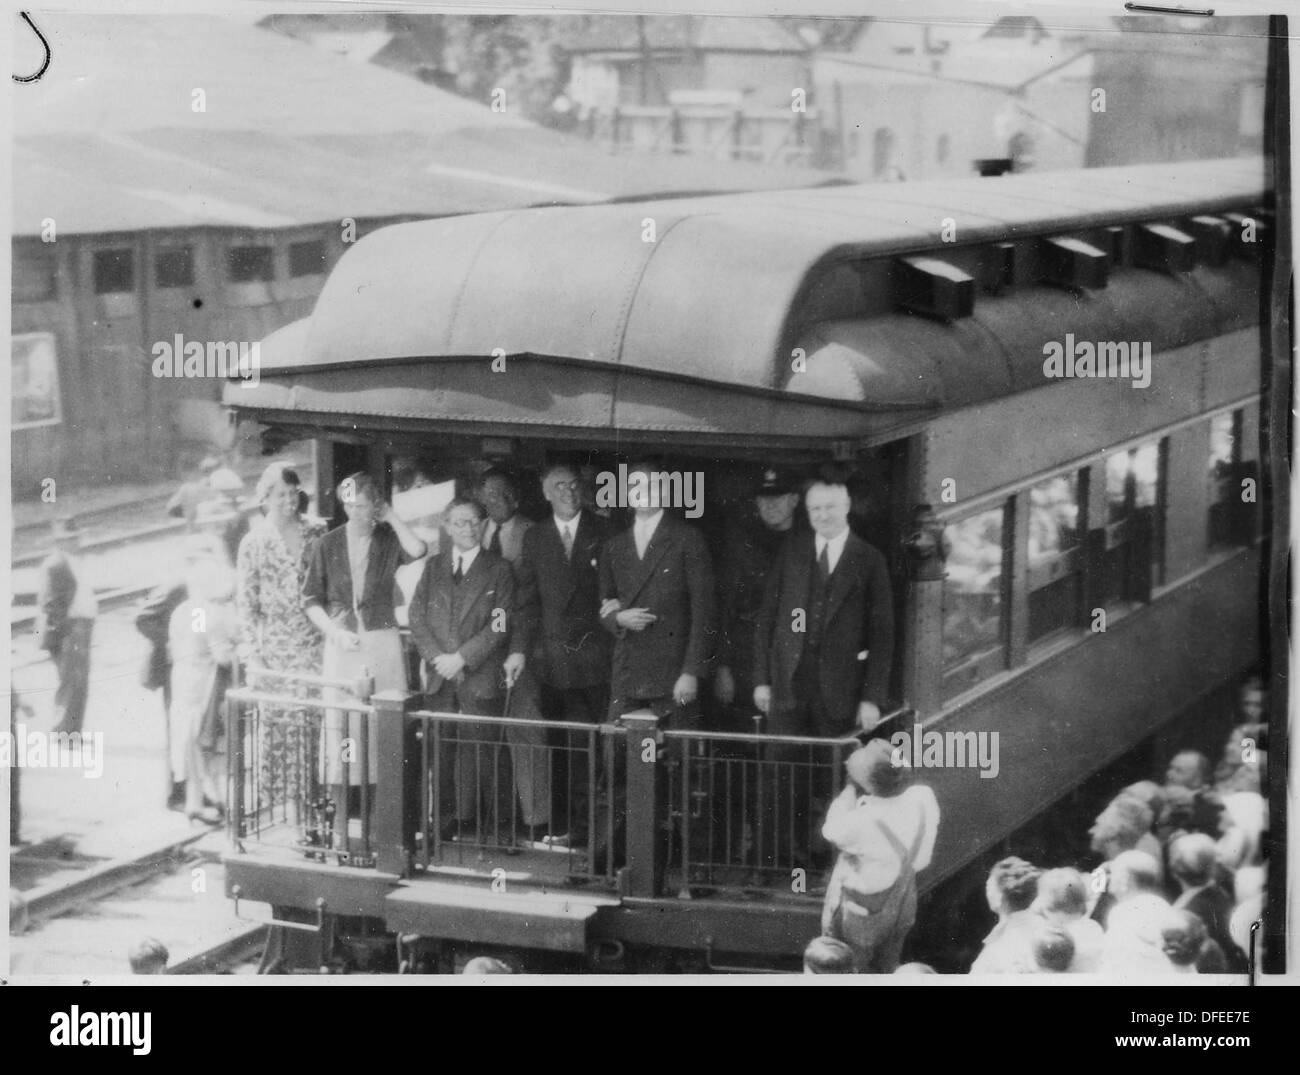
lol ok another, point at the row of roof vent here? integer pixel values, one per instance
(944, 286)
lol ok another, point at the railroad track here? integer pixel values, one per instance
(86, 925)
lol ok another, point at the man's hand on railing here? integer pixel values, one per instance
(448, 665)
(868, 715)
(685, 689)
(514, 667)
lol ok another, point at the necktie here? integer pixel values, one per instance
(566, 535)
(824, 562)
(458, 573)
(494, 542)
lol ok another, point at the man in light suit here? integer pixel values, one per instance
(822, 649)
(462, 621)
(568, 651)
(67, 610)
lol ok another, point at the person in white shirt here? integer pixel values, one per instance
(1134, 947)
(1011, 890)
(885, 834)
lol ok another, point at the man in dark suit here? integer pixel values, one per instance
(825, 641)
(559, 599)
(462, 620)
(823, 647)
(67, 610)
(656, 585)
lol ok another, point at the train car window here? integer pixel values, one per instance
(974, 604)
(114, 270)
(35, 278)
(1055, 558)
(307, 258)
(249, 264)
(1133, 553)
(1224, 474)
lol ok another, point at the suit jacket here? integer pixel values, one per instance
(487, 587)
(859, 617)
(153, 620)
(58, 586)
(512, 537)
(675, 582)
(329, 579)
(559, 601)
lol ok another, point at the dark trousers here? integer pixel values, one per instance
(479, 768)
(795, 789)
(572, 772)
(74, 677)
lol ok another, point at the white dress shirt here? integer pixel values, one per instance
(465, 560)
(643, 530)
(834, 547)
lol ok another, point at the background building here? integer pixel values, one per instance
(176, 204)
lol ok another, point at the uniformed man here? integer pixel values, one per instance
(750, 554)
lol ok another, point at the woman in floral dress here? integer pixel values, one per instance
(277, 635)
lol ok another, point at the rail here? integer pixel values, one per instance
(744, 811)
(505, 786)
(298, 765)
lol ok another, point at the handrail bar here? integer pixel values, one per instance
(289, 701)
(549, 725)
(750, 737)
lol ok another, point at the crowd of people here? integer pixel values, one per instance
(566, 619)
(571, 618)
(1180, 884)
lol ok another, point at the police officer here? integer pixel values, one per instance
(750, 554)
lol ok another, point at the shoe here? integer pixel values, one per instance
(205, 816)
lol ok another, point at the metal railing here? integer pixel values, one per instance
(745, 811)
(299, 755)
(483, 781)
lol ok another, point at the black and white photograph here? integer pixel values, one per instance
(651, 497)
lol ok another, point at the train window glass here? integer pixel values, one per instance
(1133, 553)
(249, 264)
(1055, 555)
(114, 270)
(174, 268)
(307, 258)
(34, 277)
(973, 603)
(1224, 476)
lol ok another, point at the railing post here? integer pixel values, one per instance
(234, 767)
(644, 753)
(397, 792)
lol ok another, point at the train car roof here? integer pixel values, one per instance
(680, 316)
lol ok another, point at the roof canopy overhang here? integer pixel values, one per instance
(689, 319)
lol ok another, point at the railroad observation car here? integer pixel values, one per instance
(1073, 540)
